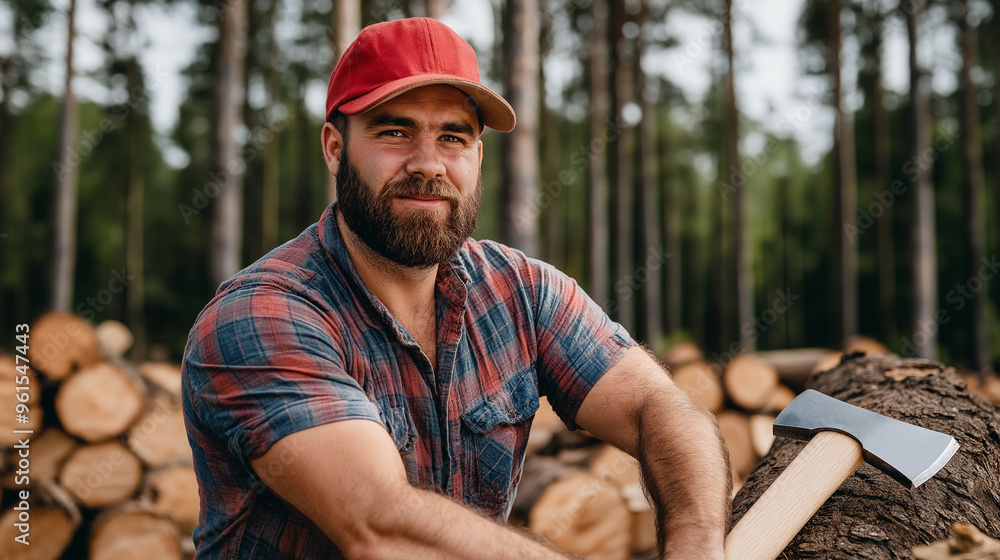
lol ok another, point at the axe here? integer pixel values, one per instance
(843, 437)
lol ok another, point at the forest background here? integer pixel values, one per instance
(867, 205)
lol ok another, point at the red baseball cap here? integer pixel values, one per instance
(393, 57)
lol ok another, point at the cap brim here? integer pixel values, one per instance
(493, 109)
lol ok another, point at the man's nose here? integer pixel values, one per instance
(425, 159)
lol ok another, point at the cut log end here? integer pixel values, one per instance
(701, 382)
(62, 343)
(134, 534)
(113, 337)
(750, 381)
(98, 403)
(582, 515)
(102, 474)
(159, 436)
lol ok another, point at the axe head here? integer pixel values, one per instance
(910, 454)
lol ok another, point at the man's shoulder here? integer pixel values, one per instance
(292, 266)
(488, 257)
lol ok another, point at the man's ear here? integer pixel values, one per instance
(333, 146)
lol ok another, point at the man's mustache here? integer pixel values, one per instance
(416, 187)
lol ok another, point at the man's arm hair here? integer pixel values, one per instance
(349, 479)
(685, 467)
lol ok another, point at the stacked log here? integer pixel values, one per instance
(111, 472)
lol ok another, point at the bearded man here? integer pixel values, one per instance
(366, 389)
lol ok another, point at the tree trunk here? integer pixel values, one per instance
(622, 280)
(883, 178)
(597, 184)
(871, 515)
(270, 200)
(996, 148)
(346, 26)
(649, 257)
(519, 188)
(65, 199)
(8, 80)
(437, 8)
(923, 256)
(740, 231)
(554, 191)
(974, 225)
(845, 198)
(134, 197)
(671, 233)
(227, 210)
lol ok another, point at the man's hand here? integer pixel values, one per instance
(636, 407)
(349, 479)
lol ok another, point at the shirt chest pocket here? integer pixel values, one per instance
(495, 430)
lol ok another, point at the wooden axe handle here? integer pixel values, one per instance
(792, 499)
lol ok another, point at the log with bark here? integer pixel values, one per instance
(871, 515)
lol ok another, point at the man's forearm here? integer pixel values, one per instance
(422, 524)
(686, 472)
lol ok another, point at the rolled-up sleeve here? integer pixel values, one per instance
(577, 341)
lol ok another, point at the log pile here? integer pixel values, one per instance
(111, 471)
(568, 495)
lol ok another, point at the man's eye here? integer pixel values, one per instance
(451, 138)
(391, 133)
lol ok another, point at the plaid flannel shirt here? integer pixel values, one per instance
(297, 340)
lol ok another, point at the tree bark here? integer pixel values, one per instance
(519, 189)
(740, 232)
(621, 234)
(923, 256)
(649, 257)
(845, 197)
(227, 210)
(975, 227)
(871, 515)
(597, 184)
(65, 200)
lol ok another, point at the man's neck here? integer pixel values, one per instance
(407, 292)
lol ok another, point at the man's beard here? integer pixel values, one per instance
(412, 237)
